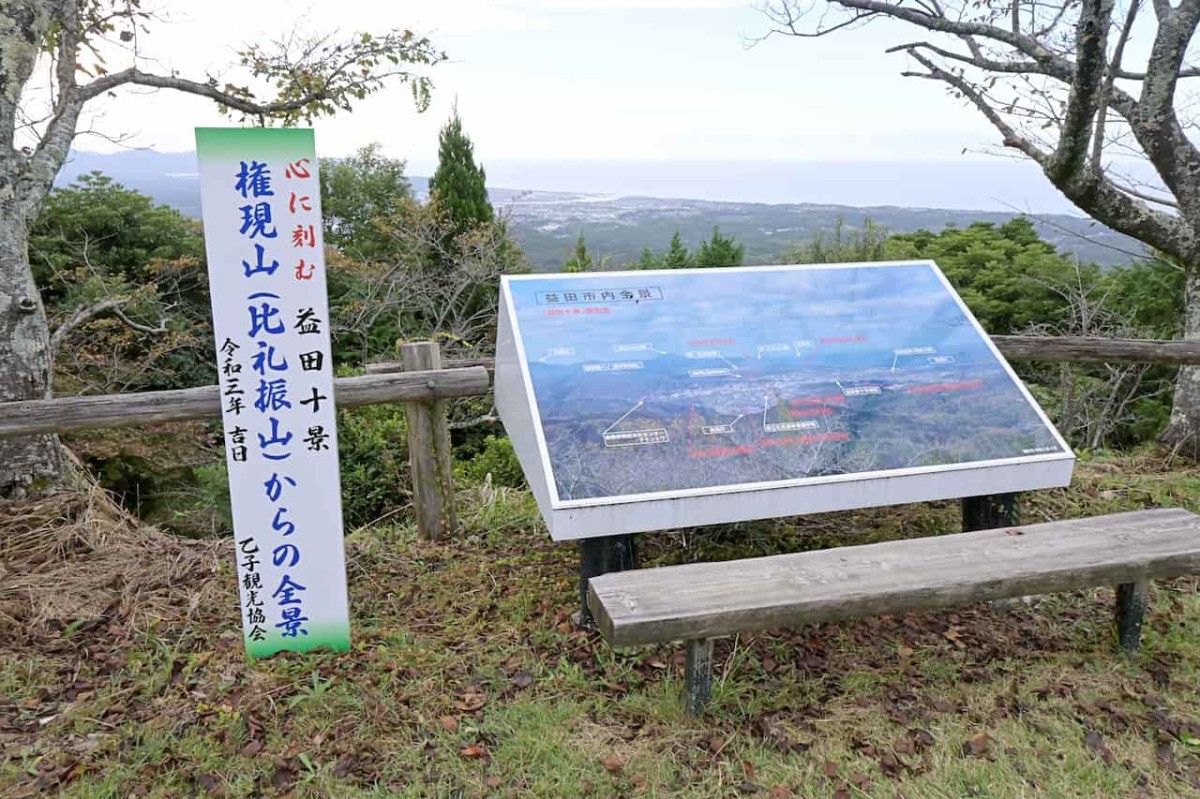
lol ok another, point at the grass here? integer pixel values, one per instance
(468, 679)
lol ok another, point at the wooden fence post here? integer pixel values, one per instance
(429, 448)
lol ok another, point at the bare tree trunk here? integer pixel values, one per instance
(1183, 431)
(31, 462)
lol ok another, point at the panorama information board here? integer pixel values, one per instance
(658, 399)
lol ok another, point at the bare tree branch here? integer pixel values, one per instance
(1011, 137)
(80, 317)
(1157, 127)
(161, 327)
(1107, 90)
(136, 77)
(1089, 191)
(87, 313)
(1141, 195)
(1083, 101)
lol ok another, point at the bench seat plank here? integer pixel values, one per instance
(706, 600)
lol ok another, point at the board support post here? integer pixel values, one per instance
(697, 675)
(601, 555)
(990, 512)
(1132, 601)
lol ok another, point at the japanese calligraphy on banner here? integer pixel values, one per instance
(262, 233)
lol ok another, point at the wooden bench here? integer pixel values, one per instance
(698, 602)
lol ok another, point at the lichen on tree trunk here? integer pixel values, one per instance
(1183, 431)
(28, 462)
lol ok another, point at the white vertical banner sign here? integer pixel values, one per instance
(266, 265)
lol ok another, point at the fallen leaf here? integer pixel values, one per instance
(841, 793)
(905, 652)
(830, 768)
(749, 787)
(449, 723)
(211, 785)
(1165, 755)
(1095, 741)
(470, 702)
(978, 745)
(891, 765)
(522, 679)
(613, 764)
(343, 766)
(944, 706)
(748, 770)
(284, 775)
(923, 739)
(493, 781)
(474, 751)
(780, 792)
(251, 749)
(769, 665)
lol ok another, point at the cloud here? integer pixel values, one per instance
(486, 16)
(612, 5)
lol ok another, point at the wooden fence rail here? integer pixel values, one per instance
(69, 414)
(1015, 348)
(1098, 350)
(388, 382)
(426, 386)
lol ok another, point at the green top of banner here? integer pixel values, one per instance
(261, 143)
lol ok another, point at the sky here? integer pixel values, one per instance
(581, 80)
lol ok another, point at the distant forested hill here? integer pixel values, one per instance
(547, 224)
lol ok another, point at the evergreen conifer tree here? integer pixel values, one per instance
(720, 251)
(580, 260)
(648, 260)
(677, 256)
(458, 186)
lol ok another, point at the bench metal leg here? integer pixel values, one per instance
(990, 512)
(697, 675)
(1132, 599)
(611, 553)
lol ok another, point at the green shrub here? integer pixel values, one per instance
(497, 459)
(212, 481)
(374, 462)
(373, 456)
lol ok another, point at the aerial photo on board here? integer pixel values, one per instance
(663, 381)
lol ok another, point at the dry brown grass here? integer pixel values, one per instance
(76, 558)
